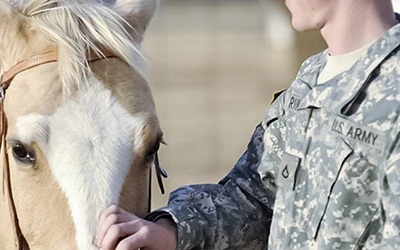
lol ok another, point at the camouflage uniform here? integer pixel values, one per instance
(322, 171)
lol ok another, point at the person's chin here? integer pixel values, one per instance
(298, 26)
(302, 27)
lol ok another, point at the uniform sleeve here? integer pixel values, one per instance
(236, 212)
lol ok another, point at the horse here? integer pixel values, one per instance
(79, 126)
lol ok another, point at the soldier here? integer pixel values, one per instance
(322, 170)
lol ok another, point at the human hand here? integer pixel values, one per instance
(121, 230)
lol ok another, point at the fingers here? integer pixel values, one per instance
(109, 219)
(110, 210)
(118, 231)
(131, 242)
(121, 230)
(105, 226)
(113, 209)
(150, 236)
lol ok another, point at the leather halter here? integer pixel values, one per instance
(5, 81)
(23, 65)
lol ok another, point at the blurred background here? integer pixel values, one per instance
(213, 67)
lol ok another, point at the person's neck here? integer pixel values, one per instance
(355, 28)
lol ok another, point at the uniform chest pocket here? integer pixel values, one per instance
(354, 192)
(286, 178)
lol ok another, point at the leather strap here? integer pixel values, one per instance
(160, 173)
(28, 63)
(20, 241)
(44, 58)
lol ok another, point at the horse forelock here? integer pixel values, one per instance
(76, 26)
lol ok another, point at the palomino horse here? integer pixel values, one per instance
(79, 124)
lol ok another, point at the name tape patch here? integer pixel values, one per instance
(294, 102)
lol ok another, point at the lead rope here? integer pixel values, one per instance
(19, 238)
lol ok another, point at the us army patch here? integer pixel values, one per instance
(356, 132)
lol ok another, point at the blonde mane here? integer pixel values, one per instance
(77, 26)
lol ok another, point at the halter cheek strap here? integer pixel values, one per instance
(6, 79)
(20, 241)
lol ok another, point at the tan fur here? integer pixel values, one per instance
(135, 98)
(138, 177)
(41, 205)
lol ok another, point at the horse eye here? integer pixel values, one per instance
(22, 154)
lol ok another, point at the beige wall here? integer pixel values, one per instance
(213, 68)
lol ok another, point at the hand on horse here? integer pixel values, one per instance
(121, 230)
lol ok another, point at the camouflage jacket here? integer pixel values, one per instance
(322, 171)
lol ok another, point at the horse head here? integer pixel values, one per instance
(82, 132)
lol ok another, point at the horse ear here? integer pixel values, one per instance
(137, 13)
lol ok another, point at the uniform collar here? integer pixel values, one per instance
(354, 79)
